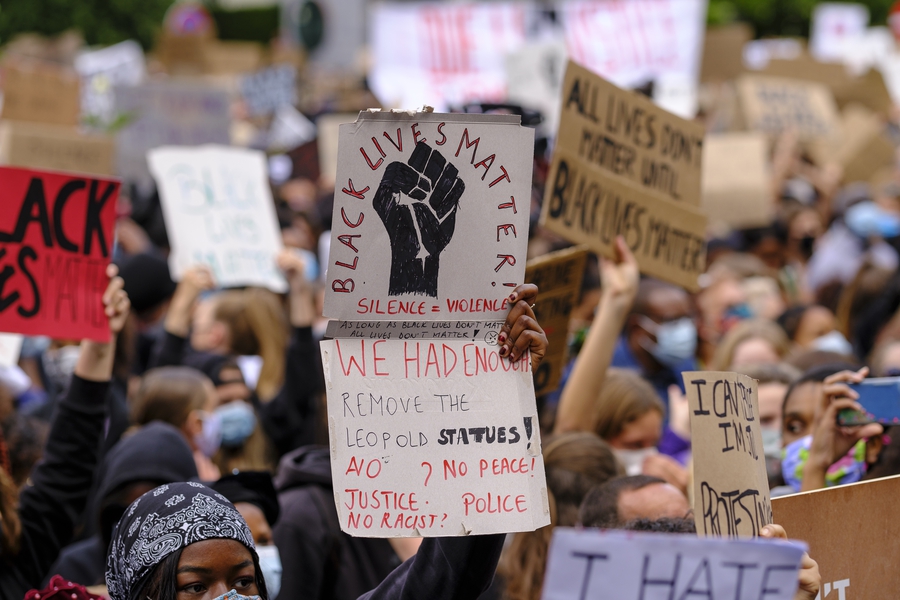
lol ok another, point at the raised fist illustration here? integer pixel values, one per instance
(417, 202)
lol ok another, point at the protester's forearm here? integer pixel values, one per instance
(589, 372)
(302, 308)
(95, 361)
(813, 477)
(178, 318)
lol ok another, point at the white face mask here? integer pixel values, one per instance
(270, 565)
(233, 595)
(633, 460)
(833, 342)
(771, 439)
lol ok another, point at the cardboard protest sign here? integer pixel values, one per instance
(850, 529)
(835, 25)
(268, 90)
(772, 104)
(167, 114)
(56, 240)
(626, 137)
(731, 489)
(860, 145)
(443, 54)
(41, 93)
(431, 218)
(558, 276)
(736, 190)
(56, 148)
(723, 52)
(121, 64)
(219, 212)
(869, 89)
(629, 565)
(432, 438)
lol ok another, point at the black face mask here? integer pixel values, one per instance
(806, 245)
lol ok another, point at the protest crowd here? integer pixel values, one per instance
(259, 341)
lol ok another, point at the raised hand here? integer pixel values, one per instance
(194, 281)
(417, 202)
(521, 331)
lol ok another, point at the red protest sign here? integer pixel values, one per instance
(56, 239)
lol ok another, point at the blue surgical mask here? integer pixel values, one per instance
(867, 219)
(676, 341)
(238, 421)
(233, 595)
(270, 565)
(833, 342)
(210, 438)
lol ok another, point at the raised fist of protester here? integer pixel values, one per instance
(194, 281)
(809, 579)
(620, 277)
(521, 331)
(302, 299)
(417, 202)
(831, 441)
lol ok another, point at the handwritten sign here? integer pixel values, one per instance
(618, 565)
(56, 148)
(443, 54)
(626, 137)
(433, 438)
(558, 276)
(167, 114)
(56, 240)
(121, 64)
(431, 217)
(849, 529)
(219, 212)
(834, 26)
(40, 93)
(723, 52)
(772, 104)
(736, 179)
(486, 331)
(268, 90)
(731, 489)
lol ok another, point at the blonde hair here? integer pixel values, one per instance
(624, 397)
(748, 330)
(169, 394)
(257, 325)
(574, 463)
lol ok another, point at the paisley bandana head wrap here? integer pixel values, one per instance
(163, 521)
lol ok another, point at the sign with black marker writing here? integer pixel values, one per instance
(56, 240)
(268, 90)
(622, 166)
(773, 104)
(558, 276)
(627, 565)
(430, 217)
(731, 489)
(433, 438)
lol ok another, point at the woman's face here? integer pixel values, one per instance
(800, 412)
(643, 432)
(211, 568)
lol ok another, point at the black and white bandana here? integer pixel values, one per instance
(163, 521)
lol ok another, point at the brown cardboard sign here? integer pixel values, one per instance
(853, 532)
(772, 104)
(736, 179)
(723, 52)
(859, 145)
(586, 206)
(56, 148)
(627, 137)
(731, 489)
(558, 276)
(41, 93)
(869, 90)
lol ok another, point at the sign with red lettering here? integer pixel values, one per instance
(56, 240)
(433, 438)
(430, 217)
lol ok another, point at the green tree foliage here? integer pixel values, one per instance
(100, 21)
(782, 17)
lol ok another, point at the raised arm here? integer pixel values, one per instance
(620, 280)
(51, 505)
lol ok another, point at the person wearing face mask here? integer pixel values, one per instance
(185, 398)
(814, 327)
(253, 495)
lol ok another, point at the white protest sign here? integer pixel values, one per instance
(758, 53)
(167, 114)
(431, 217)
(632, 43)
(432, 438)
(10, 348)
(121, 64)
(268, 90)
(834, 26)
(534, 77)
(219, 212)
(626, 565)
(443, 54)
(289, 129)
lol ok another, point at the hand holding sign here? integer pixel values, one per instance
(417, 201)
(521, 331)
(809, 578)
